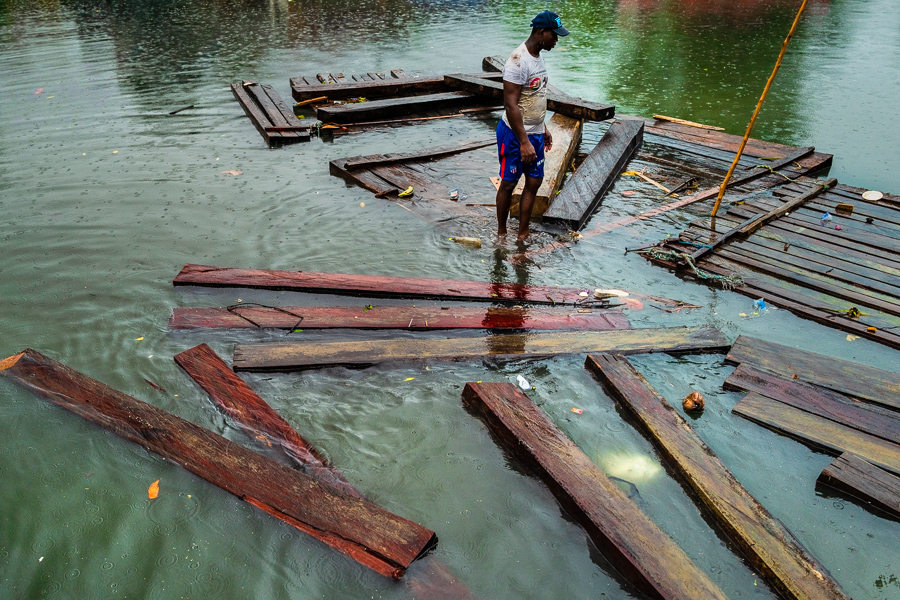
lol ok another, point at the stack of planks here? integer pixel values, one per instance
(835, 406)
(274, 120)
(840, 272)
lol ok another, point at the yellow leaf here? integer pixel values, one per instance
(409, 379)
(153, 492)
(138, 339)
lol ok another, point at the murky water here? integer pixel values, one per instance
(105, 196)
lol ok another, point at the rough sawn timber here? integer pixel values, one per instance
(853, 379)
(397, 317)
(285, 356)
(855, 477)
(362, 530)
(275, 122)
(585, 189)
(345, 114)
(625, 535)
(245, 407)
(768, 545)
(566, 105)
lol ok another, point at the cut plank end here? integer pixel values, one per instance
(9, 362)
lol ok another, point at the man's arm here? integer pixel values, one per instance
(511, 94)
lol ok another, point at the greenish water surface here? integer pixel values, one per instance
(105, 197)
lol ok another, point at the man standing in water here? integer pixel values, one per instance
(521, 135)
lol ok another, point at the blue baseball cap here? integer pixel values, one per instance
(549, 20)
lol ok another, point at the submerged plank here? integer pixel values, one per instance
(245, 407)
(768, 545)
(868, 418)
(359, 528)
(566, 105)
(853, 476)
(585, 189)
(396, 107)
(822, 434)
(854, 379)
(396, 317)
(284, 356)
(274, 121)
(625, 535)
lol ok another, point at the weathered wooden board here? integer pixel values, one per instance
(395, 84)
(378, 160)
(822, 434)
(868, 418)
(396, 107)
(566, 105)
(245, 407)
(768, 545)
(396, 317)
(585, 189)
(566, 132)
(268, 113)
(374, 286)
(285, 356)
(625, 535)
(853, 379)
(359, 528)
(864, 481)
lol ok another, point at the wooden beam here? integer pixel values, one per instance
(585, 189)
(377, 160)
(868, 418)
(414, 318)
(399, 84)
(567, 105)
(396, 107)
(623, 533)
(817, 432)
(854, 379)
(768, 545)
(362, 530)
(864, 481)
(287, 356)
(566, 132)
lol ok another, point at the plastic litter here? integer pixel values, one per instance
(760, 304)
(577, 411)
(454, 194)
(838, 227)
(825, 219)
(523, 383)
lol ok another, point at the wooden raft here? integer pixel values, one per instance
(274, 120)
(584, 190)
(359, 528)
(768, 545)
(285, 356)
(844, 278)
(413, 318)
(375, 286)
(396, 83)
(863, 481)
(625, 535)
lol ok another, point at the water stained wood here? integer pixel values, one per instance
(392, 84)
(584, 190)
(290, 356)
(359, 528)
(625, 535)
(863, 481)
(274, 120)
(768, 545)
(853, 379)
(388, 108)
(412, 318)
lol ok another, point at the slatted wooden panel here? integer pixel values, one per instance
(274, 120)
(855, 477)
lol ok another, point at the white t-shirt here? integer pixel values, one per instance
(522, 68)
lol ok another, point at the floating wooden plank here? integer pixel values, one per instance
(268, 113)
(868, 418)
(864, 481)
(853, 379)
(625, 535)
(414, 318)
(289, 356)
(375, 286)
(690, 123)
(396, 107)
(768, 545)
(817, 432)
(377, 160)
(245, 407)
(585, 189)
(362, 530)
(399, 84)
(566, 105)
(566, 132)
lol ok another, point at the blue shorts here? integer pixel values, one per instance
(511, 167)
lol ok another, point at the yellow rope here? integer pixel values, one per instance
(758, 106)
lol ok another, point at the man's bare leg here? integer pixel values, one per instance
(504, 199)
(526, 204)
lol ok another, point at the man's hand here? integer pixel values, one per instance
(527, 152)
(548, 140)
